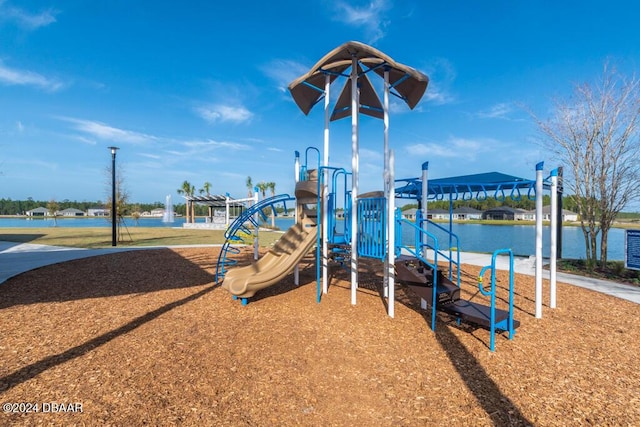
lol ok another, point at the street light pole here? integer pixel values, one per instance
(113, 196)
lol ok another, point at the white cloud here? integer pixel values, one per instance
(370, 16)
(109, 133)
(20, 126)
(15, 77)
(498, 111)
(224, 113)
(26, 19)
(441, 74)
(208, 145)
(453, 147)
(284, 71)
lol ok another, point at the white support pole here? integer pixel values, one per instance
(325, 188)
(423, 209)
(554, 237)
(539, 197)
(296, 171)
(354, 177)
(257, 228)
(425, 189)
(388, 182)
(226, 214)
(391, 237)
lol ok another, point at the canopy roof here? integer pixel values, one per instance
(467, 187)
(214, 201)
(407, 83)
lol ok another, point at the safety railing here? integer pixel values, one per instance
(233, 234)
(506, 324)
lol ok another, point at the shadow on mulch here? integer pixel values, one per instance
(487, 393)
(114, 275)
(30, 371)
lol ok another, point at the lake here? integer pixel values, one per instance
(473, 237)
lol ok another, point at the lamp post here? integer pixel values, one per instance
(113, 196)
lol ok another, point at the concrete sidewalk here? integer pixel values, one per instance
(16, 258)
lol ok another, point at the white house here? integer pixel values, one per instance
(567, 215)
(38, 212)
(70, 212)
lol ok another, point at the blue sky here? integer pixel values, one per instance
(196, 90)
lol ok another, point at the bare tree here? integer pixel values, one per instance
(595, 134)
(122, 194)
(53, 207)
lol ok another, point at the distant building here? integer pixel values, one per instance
(38, 212)
(567, 215)
(465, 213)
(98, 212)
(410, 214)
(70, 212)
(437, 214)
(504, 213)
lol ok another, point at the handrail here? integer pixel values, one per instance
(450, 257)
(238, 225)
(492, 293)
(417, 252)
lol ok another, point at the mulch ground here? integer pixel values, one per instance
(146, 338)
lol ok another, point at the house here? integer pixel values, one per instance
(98, 212)
(38, 212)
(504, 213)
(466, 212)
(70, 212)
(567, 215)
(410, 214)
(437, 214)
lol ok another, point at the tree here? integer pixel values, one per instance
(188, 191)
(53, 207)
(122, 194)
(206, 188)
(272, 187)
(249, 185)
(595, 134)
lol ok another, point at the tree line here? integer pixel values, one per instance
(20, 207)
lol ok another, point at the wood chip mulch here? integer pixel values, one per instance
(146, 338)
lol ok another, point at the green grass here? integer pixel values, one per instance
(92, 238)
(614, 271)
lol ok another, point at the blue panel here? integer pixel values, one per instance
(372, 237)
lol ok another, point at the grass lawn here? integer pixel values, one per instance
(100, 237)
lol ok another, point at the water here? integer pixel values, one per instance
(473, 237)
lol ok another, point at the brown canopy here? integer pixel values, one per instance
(308, 89)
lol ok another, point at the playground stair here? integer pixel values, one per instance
(419, 277)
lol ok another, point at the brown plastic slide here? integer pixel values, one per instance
(244, 282)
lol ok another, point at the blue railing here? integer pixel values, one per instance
(417, 251)
(452, 238)
(239, 226)
(506, 324)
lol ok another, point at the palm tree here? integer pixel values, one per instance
(188, 190)
(206, 188)
(272, 187)
(249, 187)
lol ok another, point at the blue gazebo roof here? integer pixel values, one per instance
(468, 187)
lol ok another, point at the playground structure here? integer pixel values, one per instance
(372, 227)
